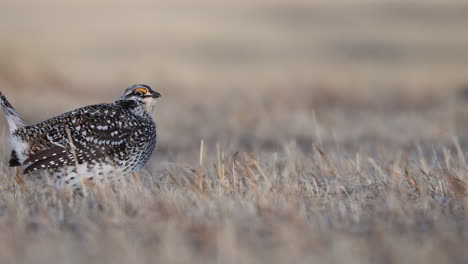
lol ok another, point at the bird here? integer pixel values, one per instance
(91, 144)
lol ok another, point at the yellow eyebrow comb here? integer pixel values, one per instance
(143, 90)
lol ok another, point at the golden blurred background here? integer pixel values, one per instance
(249, 75)
(334, 131)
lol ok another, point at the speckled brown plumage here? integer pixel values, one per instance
(114, 138)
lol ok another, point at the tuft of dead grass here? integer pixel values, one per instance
(243, 208)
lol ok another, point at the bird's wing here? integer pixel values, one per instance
(96, 133)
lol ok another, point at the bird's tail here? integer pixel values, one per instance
(14, 119)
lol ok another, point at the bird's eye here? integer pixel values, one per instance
(140, 91)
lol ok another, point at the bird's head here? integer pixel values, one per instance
(139, 99)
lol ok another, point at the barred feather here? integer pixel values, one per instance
(118, 137)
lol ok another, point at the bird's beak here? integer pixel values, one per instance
(156, 95)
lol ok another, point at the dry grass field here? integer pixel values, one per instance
(333, 131)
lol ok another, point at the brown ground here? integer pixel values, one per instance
(333, 131)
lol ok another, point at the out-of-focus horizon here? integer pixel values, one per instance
(104, 45)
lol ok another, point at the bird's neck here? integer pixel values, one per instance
(135, 107)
